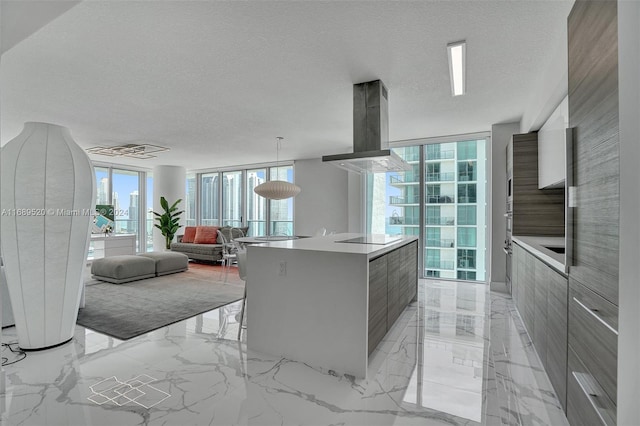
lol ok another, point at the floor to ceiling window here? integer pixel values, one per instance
(281, 211)
(210, 199)
(227, 198)
(256, 205)
(149, 216)
(130, 193)
(232, 198)
(442, 199)
(190, 200)
(125, 199)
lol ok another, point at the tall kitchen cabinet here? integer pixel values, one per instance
(593, 260)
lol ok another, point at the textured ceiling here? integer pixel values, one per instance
(218, 81)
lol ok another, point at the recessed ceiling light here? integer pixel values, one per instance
(457, 72)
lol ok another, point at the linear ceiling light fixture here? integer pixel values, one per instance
(457, 67)
(139, 151)
(277, 189)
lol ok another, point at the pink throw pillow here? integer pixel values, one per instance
(189, 234)
(206, 235)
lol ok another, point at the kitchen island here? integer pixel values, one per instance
(325, 302)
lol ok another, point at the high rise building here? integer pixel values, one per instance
(210, 199)
(190, 205)
(256, 206)
(102, 195)
(232, 199)
(281, 211)
(132, 223)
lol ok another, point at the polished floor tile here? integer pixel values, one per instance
(458, 356)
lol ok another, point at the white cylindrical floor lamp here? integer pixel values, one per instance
(48, 198)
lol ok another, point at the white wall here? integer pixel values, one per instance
(550, 88)
(629, 315)
(324, 199)
(168, 182)
(500, 137)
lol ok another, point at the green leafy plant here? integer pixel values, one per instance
(168, 221)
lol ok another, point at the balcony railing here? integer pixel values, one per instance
(402, 220)
(393, 200)
(440, 243)
(466, 199)
(467, 177)
(440, 199)
(441, 177)
(441, 221)
(441, 264)
(403, 180)
(440, 155)
(411, 156)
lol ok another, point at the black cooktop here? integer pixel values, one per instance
(371, 239)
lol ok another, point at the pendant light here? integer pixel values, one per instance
(277, 189)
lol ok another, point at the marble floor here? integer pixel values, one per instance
(458, 356)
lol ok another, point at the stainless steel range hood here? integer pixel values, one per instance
(371, 153)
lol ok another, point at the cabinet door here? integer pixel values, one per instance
(530, 293)
(515, 265)
(541, 278)
(587, 403)
(593, 324)
(593, 113)
(409, 271)
(516, 276)
(377, 301)
(535, 212)
(395, 295)
(556, 364)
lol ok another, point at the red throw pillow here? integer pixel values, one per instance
(206, 235)
(189, 234)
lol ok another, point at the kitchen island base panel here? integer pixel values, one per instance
(316, 313)
(321, 307)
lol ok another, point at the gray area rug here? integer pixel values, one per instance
(128, 310)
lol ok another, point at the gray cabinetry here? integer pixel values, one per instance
(541, 298)
(593, 335)
(377, 301)
(556, 356)
(587, 403)
(593, 266)
(534, 211)
(393, 282)
(593, 112)
(409, 271)
(395, 297)
(541, 277)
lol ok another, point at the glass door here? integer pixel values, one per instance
(210, 199)
(256, 205)
(442, 199)
(281, 211)
(232, 198)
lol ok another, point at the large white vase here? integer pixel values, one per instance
(48, 197)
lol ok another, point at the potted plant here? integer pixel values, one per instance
(168, 221)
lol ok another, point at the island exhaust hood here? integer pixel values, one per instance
(371, 153)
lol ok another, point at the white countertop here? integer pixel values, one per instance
(535, 245)
(328, 244)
